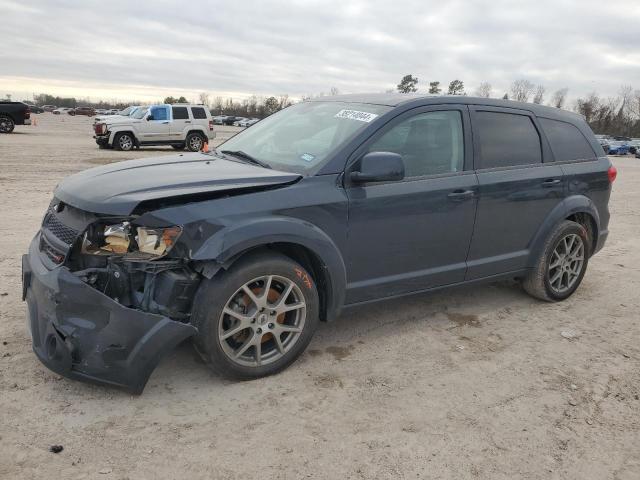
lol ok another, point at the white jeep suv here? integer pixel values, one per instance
(179, 125)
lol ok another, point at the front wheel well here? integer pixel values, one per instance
(589, 223)
(305, 257)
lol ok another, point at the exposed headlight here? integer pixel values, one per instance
(100, 128)
(124, 239)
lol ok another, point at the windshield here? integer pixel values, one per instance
(138, 114)
(301, 138)
(126, 112)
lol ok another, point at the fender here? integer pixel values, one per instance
(225, 245)
(569, 206)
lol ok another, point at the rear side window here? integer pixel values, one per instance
(180, 113)
(567, 142)
(198, 112)
(507, 140)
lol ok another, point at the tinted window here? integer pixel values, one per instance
(160, 113)
(180, 113)
(198, 112)
(567, 142)
(507, 139)
(430, 143)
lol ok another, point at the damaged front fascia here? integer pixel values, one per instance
(82, 333)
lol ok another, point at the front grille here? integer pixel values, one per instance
(67, 234)
(51, 253)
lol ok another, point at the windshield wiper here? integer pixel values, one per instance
(246, 156)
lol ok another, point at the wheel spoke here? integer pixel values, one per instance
(232, 331)
(278, 340)
(555, 277)
(251, 295)
(282, 328)
(237, 315)
(244, 347)
(267, 287)
(290, 307)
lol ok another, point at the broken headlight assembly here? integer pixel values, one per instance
(130, 240)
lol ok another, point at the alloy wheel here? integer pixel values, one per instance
(566, 263)
(262, 321)
(6, 125)
(125, 142)
(195, 143)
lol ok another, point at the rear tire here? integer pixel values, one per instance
(256, 318)
(194, 142)
(6, 124)
(124, 142)
(561, 267)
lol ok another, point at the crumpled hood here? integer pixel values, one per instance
(117, 188)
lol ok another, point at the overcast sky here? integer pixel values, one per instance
(149, 49)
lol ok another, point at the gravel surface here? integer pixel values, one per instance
(478, 382)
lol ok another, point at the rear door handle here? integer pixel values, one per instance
(550, 182)
(459, 195)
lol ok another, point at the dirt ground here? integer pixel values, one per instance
(479, 382)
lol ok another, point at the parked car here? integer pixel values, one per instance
(247, 122)
(49, 108)
(36, 109)
(181, 126)
(325, 205)
(12, 114)
(237, 120)
(61, 110)
(87, 111)
(127, 112)
(617, 147)
(219, 119)
(634, 146)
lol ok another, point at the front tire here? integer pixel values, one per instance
(124, 142)
(194, 142)
(256, 318)
(562, 265)
(6, 124)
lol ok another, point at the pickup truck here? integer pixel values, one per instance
(12, 114)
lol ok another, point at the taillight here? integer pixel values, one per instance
(27, 112)
(211, 125)
(612, 173)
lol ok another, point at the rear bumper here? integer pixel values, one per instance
(80, 333)
(26, 121)
(602, 238)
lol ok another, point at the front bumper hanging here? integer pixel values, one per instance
(80, 333)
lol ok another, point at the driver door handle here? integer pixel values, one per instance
(459, 195)
(550, 182)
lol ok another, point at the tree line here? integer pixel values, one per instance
(615, 115)
(612, 115)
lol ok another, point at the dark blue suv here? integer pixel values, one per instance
(324, 205)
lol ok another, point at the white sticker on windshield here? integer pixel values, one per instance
(356, 115)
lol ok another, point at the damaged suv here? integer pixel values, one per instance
(324, 205)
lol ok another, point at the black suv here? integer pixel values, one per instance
(324, 205)
(12, 114)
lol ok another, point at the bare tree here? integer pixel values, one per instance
(559, 97)
(521, 90)
(204, 98)
(484, 90)
(335, 91)
(539, 95)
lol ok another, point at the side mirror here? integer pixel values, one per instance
(379, 167)
(149, 118)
